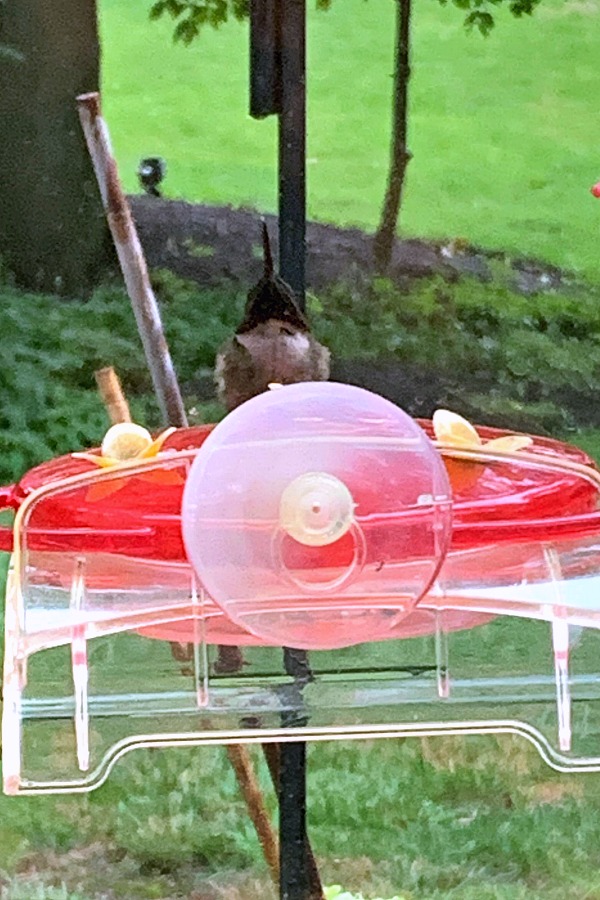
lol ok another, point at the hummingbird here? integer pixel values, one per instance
(272, 345)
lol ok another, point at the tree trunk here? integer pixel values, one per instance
(52, 226)
(400, 156)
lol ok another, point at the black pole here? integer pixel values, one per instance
(294, 882)
(293, 839)
(292, 145)
(278, 85)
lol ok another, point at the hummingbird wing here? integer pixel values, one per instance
(234, 373)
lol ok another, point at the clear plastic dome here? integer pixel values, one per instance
(317, 515)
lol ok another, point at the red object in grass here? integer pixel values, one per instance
(595, 189)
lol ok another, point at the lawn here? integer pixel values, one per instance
(504, 130)
(427, 819)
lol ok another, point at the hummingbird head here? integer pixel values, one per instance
(271, 297)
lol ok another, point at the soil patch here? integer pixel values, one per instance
(215, 244)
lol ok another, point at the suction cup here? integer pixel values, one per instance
(316, 516)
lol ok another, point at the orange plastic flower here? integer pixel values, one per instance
(126, 442)
(452, 430)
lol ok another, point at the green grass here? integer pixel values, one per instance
(468, 818)
(504, 130)
(460, 818)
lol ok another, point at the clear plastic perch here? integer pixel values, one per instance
(436, 589)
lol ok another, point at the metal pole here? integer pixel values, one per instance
(293, 839)
(265, 81)
(294, 882)
(292, 146)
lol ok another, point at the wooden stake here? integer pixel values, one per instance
(246, 777)
(112, 395)
(132, 261)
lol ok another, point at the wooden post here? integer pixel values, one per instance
(132, 261)
(112, 395)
